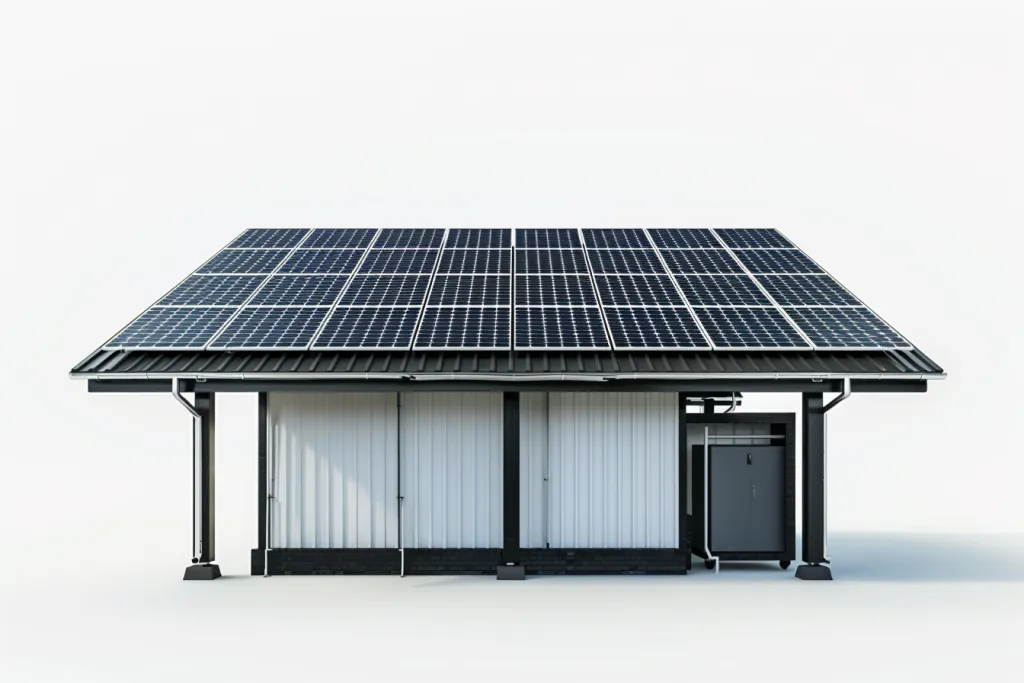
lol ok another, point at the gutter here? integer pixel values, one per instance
(497, 377)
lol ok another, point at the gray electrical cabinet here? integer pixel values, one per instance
(747, 503)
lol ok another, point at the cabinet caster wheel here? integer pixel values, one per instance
(784, 564)
(709, 564)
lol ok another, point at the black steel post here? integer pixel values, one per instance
(203, 490)
(813, 421)
(684, 484)
(510, 566)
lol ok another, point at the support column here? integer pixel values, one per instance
(259, 554)
(684, 484)
(813, 419)
(511, 566)
(202, 493)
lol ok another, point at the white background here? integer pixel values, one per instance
(882, 137)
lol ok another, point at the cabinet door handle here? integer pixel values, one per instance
(753, 490)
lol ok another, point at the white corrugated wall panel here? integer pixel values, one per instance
(533, 459)
(695, 436)
(451, 469)
(335, 470)
(613, 470)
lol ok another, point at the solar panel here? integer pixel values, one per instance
(547, 239)
(244, 261)
(212, 290)
(625, 261)
(299, 290)
(464, 328)
(555, 290)
(400, 261)
(616, 239)
(695, 261)
(480, 261)
(322, 261)
(807, 290)
(684, 239)
(748, 238)
(409, 239)
(658, 328)
(368, 329)
(385, 290)
(560, 329)
(471, 290)
(339, 239)
(171, 328)
(749, 328)
(721, 290)
(270, 328)
(846, 328)
(780, 261)
(268, 239)
(479, 239)
(638, 290)
(550, 261)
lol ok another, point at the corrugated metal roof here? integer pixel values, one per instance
(314, 364)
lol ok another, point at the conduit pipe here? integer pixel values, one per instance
(847, 390)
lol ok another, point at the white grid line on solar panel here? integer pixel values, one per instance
(777, 262)
(211, 290)
(321, 261)
(398, 262)
(665, 329)
(753, 238)
(847, 329)
(700, 261)
(551, 261)
(651, 291)
(570, 329)
(479, 238)
(807, 290)
(269, 238)
(354, 329)
(244, 262)
(736, 289)
(475, 262)
(748, 329)
(159, 329)
(399, 238)
(390, 290)
(270, 328)
(470, 290)
(561, 290)
(625, 262)
(615, 238)
(339, 238)
(299, 290)
(547, 238)
(683, 238)
(456, 329)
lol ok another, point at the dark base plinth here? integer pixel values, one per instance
(202, 572)
(511, 573)
(814, 572)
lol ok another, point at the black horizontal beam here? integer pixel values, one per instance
(691, 387)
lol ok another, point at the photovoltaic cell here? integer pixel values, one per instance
(684, 239)
(322, 261)
(475, 261)
(664, 328)
(244, 261)
(464, 328)
(270, 328)
(171, 328)
(807, 290)
(550, 261)
(777, 261)
(625, 261)
(721, 290)
(554, 290)
(268, 239)
(479, 239)
(339, 239)
(616, 239)
(547, 239)
(746, 238)
(212, 290)
(299, 290)
(368, 328)
(638, 290)
(706, 261)
(401, 261)
(471, 290)
(409, 239)
(760, 328)
(560, 328)
(846, 328)
(385, 290)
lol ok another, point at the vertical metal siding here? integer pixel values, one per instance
(452, 469)
(533, 457)
(335, 469)
(695, 436)
(613, 470)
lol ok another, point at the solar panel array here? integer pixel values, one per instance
(492, 289)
